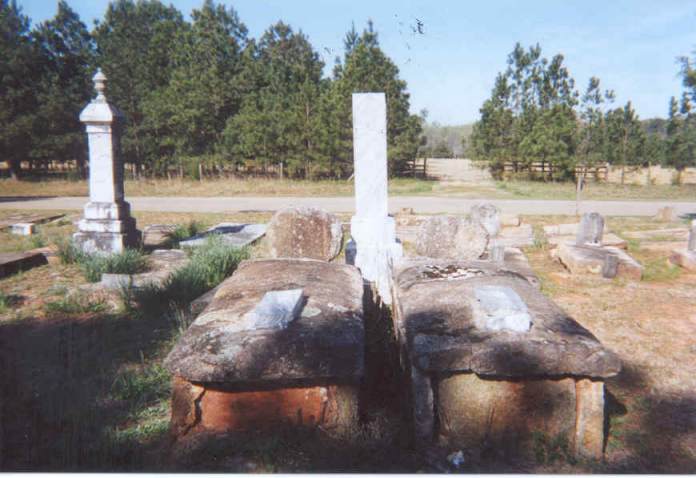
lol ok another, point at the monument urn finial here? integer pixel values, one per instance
(99, 79)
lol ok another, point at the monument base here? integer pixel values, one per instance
(107, 228)
(106, 242)
(373, 250)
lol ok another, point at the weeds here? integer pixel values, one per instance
(142, 386)
(210, 264)
(68, 252)
(130, 261)
(75, 304)
(4, 302)
(183, 232)
(660, 270)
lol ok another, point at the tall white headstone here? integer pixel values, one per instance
(373, 231)
(107, 226)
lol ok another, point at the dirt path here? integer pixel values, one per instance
(420, 204)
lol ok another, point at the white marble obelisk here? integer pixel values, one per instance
(373, 231)
(107, 226)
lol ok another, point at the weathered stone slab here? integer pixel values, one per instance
(608, 239)
(23, 229)
(522, 236)
(304, 233)
(451, 237)
(436, 321)
(25, 217)
(233, 234)
(13, 262)
(488, 216)
(590, 230)
(684, 258)
(325, 342)
(162, 262)
(158, 235)
(500, 308)
(589, 418)
(592, 259)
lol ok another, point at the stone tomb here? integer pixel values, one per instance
(492, 362)
(686, 258)
(13, 262)
(281, 343)
(588, 254)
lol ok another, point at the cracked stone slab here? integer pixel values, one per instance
(326, 341)
(437, 324)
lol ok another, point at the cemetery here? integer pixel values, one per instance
(439, 334)
(316, 322)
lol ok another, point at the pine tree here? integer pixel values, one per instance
(189, 115)
(278, 120)
(64, 88)
(136, 49)
(366, 68)
(18, 102)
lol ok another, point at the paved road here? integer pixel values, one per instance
(420, 204)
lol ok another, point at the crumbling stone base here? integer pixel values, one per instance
(511, 415)
(214, 408)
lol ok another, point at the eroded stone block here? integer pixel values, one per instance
(505, 415)
(451, 237)
(593, 260)
(304, 233)
(13, 262)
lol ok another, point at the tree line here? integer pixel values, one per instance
(193, 92)
(535, 114)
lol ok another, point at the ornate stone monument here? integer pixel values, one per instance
(373, 232)
(107, 226)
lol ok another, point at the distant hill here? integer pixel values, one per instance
(452, 135)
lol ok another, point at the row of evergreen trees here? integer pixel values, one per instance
(193, 92)
(536, 115)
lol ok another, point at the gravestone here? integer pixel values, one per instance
(107, 226)
(686, 258)
(373, 232)
(590, 229)
(451, 237)
(488, 216)
(304, 233)
(231, 233)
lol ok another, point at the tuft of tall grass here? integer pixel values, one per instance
(4, 302)
(68, 252)
(75, 304)
(142, 386)
(210, 264)
(130, 261)
(184, 231)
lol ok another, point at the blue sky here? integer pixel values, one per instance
(631, 46)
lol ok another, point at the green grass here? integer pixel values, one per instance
(209, 265)
(130, 261)
(4, 302)
(75, 304)
(184, 231)
(142, 386)
(660, 270)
